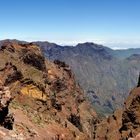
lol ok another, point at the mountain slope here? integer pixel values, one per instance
(126, 53)
(124, 123)
(101, 72)
(47, 103)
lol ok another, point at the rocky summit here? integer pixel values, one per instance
(44, 98)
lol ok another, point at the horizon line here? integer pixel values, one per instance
(74, 43)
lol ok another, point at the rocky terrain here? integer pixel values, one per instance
(124, 124)
(46, 102)
(40, 100)
(6, 118)
(106, 75)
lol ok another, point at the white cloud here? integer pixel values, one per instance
(113, 43)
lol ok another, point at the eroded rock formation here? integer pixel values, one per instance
(6, 119)
(47, 103)
(124, 123)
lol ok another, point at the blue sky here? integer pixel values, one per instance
(115, 23)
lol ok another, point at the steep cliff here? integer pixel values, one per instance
(47, 103)
(124, 124)
(106, 75)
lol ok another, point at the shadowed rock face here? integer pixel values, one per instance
(75, 120)
(6, 119)
(14, 74)
(34, 60)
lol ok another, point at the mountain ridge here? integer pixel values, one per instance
(46, 101)
(105, 76)
(48, 104)
(100, 70)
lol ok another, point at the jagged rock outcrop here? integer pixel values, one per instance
(6, 119)
(131, 115)
(47, 103)
(34, 60)
(124, 123)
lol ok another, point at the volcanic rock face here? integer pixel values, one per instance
(123, 124)
(131, 115)
(34, 60)
(6, 119)
(47, 103)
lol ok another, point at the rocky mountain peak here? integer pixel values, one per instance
(47, 103)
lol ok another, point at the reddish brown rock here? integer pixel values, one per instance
(6, 119)
(47, 102)
(124, 123)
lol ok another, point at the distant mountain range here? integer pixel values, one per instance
(106, 75)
